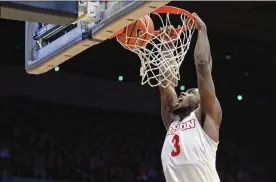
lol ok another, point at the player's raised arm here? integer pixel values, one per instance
(168, 101)
(203, 63)
(168, 94)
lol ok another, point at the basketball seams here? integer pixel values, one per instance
(128, 37)
(147, 34)
(146, 28)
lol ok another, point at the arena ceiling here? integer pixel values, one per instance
(243, 30)
(251, 20)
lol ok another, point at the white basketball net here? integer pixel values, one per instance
(161, 60)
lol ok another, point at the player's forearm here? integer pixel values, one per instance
(165, 71)
(203, 63)
(202, 52)
(168, 94)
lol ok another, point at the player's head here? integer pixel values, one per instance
(187, 101)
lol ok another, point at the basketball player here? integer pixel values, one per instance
(192, 120)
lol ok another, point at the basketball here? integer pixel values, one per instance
(137, 34)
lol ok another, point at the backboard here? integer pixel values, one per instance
(60, 12)
(48, 45)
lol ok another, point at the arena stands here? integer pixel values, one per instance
(84, 144)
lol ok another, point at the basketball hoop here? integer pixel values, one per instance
(160, 58)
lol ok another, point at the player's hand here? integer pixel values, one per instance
(168, 34)
(199, 24)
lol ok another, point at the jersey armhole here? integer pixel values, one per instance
(210, 141)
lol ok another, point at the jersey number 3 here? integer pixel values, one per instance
(175, 141)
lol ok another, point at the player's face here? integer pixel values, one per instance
(188, 100)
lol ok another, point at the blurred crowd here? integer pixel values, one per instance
(49, 141)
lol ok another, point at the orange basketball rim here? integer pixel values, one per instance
(165, 10)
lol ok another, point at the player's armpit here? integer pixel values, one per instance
(168, 100)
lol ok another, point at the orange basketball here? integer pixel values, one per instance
(137, 34)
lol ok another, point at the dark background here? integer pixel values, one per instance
(242, 30)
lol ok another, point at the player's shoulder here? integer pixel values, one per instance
(208, 125)
(217, 118)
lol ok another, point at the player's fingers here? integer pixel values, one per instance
(196, 17)
(171, 27)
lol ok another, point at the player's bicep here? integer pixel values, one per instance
(168, 100)
(209, 103)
